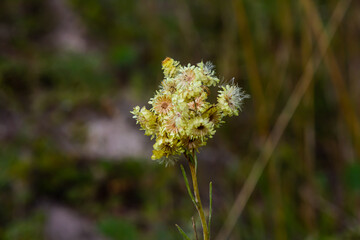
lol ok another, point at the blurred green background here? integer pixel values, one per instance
(73, 164)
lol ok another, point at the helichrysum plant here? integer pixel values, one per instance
(182, 120)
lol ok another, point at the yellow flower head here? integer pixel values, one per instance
(173, 124)
(170, 67)
(199, 103)
(209, 78)
(169, 85)
(181, 118)
(162, 104)
(164, 147)
(213, 114)
(200, 127)
(187, 76)
(146, 119)
(230, 99)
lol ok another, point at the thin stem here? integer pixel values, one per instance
(194, 226)
(193, 166)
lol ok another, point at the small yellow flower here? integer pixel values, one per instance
(146, 119)
(172, 124)
(164, 147)
(186, 77)
(169, 85)
(170, 67)
(200, 128)
(189, 92)
(230, 100)
(193, 143)
(214, 116)
(198, 104)
(209, 78)
(162, 104)
(157, 154)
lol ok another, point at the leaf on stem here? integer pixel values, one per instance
(187, 185)
(210, 206)
(195, 161)
(182, 232)
(191, 157)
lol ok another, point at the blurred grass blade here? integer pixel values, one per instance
(281, 123)
(194, 226)
(336, 76)
(251, 64)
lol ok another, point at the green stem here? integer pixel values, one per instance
(193, 166)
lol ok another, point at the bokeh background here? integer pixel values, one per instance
(73, 164)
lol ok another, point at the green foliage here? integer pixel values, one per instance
(23, 229)
(118, 229)
(352, 173)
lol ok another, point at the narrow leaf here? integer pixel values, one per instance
(191, 158)
(182, 232)
(187, 185)
(195, 161)
(210, 206)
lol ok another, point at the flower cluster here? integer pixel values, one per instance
(181, 119)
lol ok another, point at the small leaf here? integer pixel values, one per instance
(182, 232)
(195, 161)
(187, 185)
(210, 205)
(191, 158)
